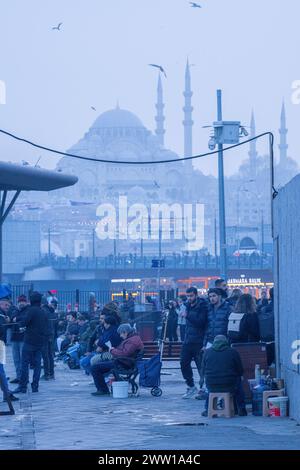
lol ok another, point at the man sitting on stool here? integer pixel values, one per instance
(223, 369)
(126, 353)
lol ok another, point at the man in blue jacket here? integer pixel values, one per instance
(196, 321)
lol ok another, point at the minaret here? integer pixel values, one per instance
(253, 152)
(283, 146)
(160, 118)
(188, 121)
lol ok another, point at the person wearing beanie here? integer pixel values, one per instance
(223, 370)
(17, 335)
(36, 334)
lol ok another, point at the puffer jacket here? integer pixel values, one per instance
(196, 322)
(217, 321)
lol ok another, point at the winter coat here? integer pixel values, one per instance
(98, 332)
(112, 335)
(129, 347)
(217, 321)
(19, 314)
(196, 322)
(36, 322)
(249, 329)
(52, 321)
(221, 366)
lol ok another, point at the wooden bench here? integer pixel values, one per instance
(171, 350)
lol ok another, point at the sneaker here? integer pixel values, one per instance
(201, 395)
(190, 393)
(100, 393)
(15, 381)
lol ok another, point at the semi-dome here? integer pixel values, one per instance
(117, 118)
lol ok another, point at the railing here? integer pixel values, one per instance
(170, 262)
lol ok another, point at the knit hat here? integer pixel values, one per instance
(22, 298)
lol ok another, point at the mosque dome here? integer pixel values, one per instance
(117, 118)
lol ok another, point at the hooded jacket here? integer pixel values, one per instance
(221, 366)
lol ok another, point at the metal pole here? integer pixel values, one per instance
(216, 249)
(262, 233)
(49, 242)
(238, 220)
(159, 237)
(93, 238)
(222, 226)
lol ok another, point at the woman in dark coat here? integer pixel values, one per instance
(245, 314)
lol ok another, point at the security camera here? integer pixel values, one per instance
(212, 144)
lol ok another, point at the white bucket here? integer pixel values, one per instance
(120, 389)
(278, 406)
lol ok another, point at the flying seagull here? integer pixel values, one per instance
(156, 184)
(57, 27)
(94, 109)
(195, 5)
(160, 68)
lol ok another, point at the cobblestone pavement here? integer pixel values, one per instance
(64, 415)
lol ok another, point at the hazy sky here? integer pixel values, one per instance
(250, 49)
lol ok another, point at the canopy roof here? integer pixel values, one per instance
(14, 177)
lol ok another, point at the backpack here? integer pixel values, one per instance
(235, 321)
(266, 324)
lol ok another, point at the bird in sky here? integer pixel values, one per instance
(195, 5)
(156, 184)
(160, 68)
(57, 27)
(94, 109)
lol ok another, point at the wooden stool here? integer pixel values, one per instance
(268, 394)
(227, 411)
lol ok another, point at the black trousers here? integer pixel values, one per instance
(189, 353)
(48, 357)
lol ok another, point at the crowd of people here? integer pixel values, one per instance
(207, 327)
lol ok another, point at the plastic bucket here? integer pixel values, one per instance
(278, 406)
(120, 389)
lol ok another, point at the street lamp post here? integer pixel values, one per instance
(225, 132)
(222, 218)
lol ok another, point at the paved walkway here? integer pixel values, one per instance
(64, 415)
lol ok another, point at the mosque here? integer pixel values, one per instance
(119, 135)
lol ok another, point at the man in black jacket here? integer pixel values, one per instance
(48, 351)
(196, 321)
(223, 369)
(36, 335)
